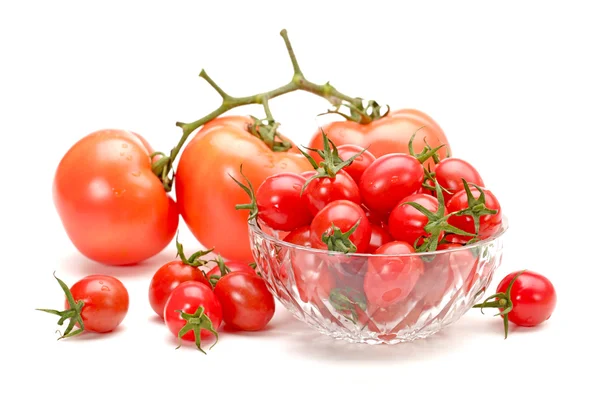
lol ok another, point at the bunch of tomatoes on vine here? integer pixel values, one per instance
(381, 181)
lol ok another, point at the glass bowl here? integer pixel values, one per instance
(375, 298)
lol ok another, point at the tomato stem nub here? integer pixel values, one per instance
(196, 322)
(477, 207)
(194, 259)
(249, 189)
(339, 241)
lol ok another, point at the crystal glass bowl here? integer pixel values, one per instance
(375, 298)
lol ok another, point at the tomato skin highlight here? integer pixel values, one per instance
(533, 297)
(390, 179)
(489, 224)
(280, 204)
(406, 223)
(106, 302)
(245, 300)
(343, 214)
(360, 163)
(313, 277)
(450, 172)
(167, 278)
(187, 297)
(322, 191)
(112, 206)
(207, 196)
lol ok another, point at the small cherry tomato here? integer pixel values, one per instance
(314, 279)
(245, 300)
(360, 163)
(299, 236)
(344, 215)
(389, 179)
(322, 191)
(406, 223)
(489, 224)
(451, 171)
(379, 237)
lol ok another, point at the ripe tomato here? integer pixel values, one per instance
(207, 196)
(299, 236)
(314, 279)
(379, 219)
(344, 215)
(407, 223)
(216, 273)
(112, 206)
(387, 135)
(193, 312)
(437, 280)
(533, 297)
(451, 171)
(322, 191)
(489, 224)
(167, 278)
(390, 179)
(390, 279)
(379, 237)
(462, 263)
(360, 163)
(246, 302)
(280, 204)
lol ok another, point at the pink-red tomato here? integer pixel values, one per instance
(322, 191)
(280, 204)
(390, 179)
(451, 171)
(112, 206)
(314, 278)
(344, 215)
(489, 224)
(360, 163)
(245, 300)
(406, 223)
(379, 237)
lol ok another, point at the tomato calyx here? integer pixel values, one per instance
(346, 301)
(502, 302)
(359, 112)
(266, 130)
(477, 207)
(427, 152)
(249, 189)
(196, 322)
(338, 241)
(331, 164)
(73, 314)
(194, 259)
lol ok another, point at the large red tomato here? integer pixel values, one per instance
(387, 135)
(113, 208)
(207, 196)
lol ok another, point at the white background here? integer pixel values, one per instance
(514, 85)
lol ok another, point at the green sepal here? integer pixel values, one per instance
(196, 322)
(477, 207)
(249, 189)
(339, 241)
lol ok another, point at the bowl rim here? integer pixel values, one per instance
(254, 226)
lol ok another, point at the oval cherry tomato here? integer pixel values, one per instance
(450, 172)
(390, 280)
(280, 204)
(390, 179)
(167, 278)
(112, 206)
(343, 214)
(407, 223)
(533, 297)
(188, 298)
(246, 302)
(360, 163)
(105, 302)
(314, 279)
(387, 135)
(299, 236)
(322, 191)
(379, 237)
(489, 224)
(207, 196)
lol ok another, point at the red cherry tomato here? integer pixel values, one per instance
(390, 179)
(343, 214)
(280, 204)
(489, 224)
(390, 280)
(245, 300)
(379, 237)
(167, 278)
(322, 191)
(406, 223)
(314, 279)
(299, 236)
(188, 297)
(214, 274)
(112, 206)
(451, 171)
(533, 297)
(462, 263)
(360, 163)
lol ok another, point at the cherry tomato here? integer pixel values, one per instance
(207, 196)
(387, 135)
(461, 262)
(407, 223)
(322, 191)
(105, 302)
(437, 280)
(489, 224)
(112, 206)
(360, 163)
(390, 280)
(450, 172)
(214, 274)
(390, 179)
(167, 278)
(379, 237)
(280, 204)
(314, 279)
(343, 214)
(188, 298)
(246, 302)
(533, 297)
(377, 218)
(299, 236)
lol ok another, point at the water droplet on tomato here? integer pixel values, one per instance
(394, 179)
(283, 165)
(122, 153)
(118, 193)
(101, 282)
(129, 158)
(137, 173)
(296, 186)
(105, 288)
(124, 145)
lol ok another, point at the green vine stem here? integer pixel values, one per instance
(164, 165)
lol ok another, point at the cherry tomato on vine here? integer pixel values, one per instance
(489, 223)
(193, 312)
(322, 191)
(344, 215)
(299, 236)
(390, 179)
(113, 207)
(406, 223)
(246, 302)
(451, 171)
(390, 279)
(360, 163)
